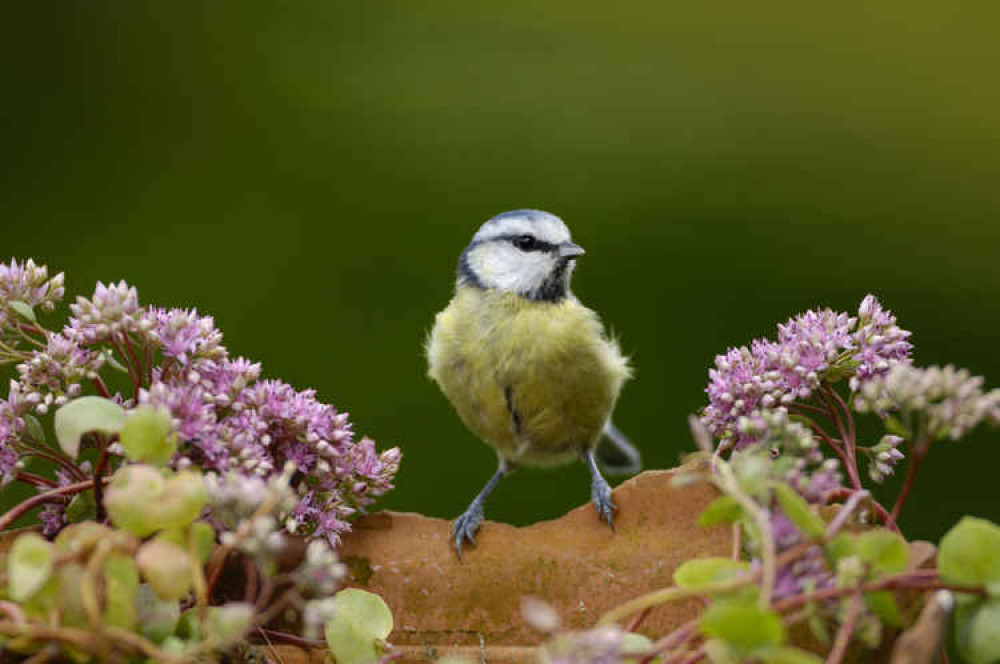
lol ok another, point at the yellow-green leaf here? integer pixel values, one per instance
(798, 511)
(702, 572)
(724, 509)
(746, 628)
(86, 415)
(361, 620)
(29, 566)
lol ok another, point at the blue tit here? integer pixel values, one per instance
(529, 369)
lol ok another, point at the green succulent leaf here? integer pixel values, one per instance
(745, 628)
(166, 568)
(702, 572)
(140, 500)
(788, 655)
(202, 537)
(85, 415)
(33, 427)
(885, 551)
(634, 645)
(883, 604)
(77, 538)
(798, 511)
(361, 620)
(121, 584)
(752, 470)
(158, 618)
(23, 309)
(724, 509)
(839, 547)
(230, 622)
(83, 507)
(148, 436)
(29, 566)
(970, 553)
(978, 631)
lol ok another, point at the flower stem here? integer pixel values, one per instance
(27, 505)
(843, 637)
(920, 449)
(842, 493)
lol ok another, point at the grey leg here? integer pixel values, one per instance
(465, 526)
(600, 492)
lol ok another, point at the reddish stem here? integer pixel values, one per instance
(832, 443)
(846, 434)
(27, 505)
(291, 639)
(61, 461)
(919, 452)
(253, 581)
(102, 389)
(135, 358)
(128, 364)
(843, 637)
(841, 494)
(33, 479)
(102, 464)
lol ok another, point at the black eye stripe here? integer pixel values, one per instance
(528, 242)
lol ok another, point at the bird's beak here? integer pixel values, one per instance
(570, 250)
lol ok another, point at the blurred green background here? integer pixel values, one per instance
(309, 172)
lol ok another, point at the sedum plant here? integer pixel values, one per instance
(159, 462)
(813, 551)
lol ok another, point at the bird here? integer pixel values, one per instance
(528, 368)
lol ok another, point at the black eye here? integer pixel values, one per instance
(525, 242)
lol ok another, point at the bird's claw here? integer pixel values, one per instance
(465, 527)
(600, 494)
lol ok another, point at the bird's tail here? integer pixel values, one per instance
(616, 454)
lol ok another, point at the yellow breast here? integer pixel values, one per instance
(536, 380)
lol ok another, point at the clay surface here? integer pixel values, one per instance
(576, 563)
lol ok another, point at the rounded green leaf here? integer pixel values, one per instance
(166, 567)
(724, 509)
(85, 415)
(798, 511)
(702, 572)
(883, 604)
(29, 566)
(745, 627)
(148, 436)
(361, 620)
(634, 646)
(129, 496)
(77, 538)
(885, 551)
(970, 553)
(230, 622)
(788, 655)
(83, 507)
(23, 309)
(121, 584)
(33, 427)
(158, 619)
(978, 631)
(140, 500)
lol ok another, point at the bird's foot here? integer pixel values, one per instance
(466, 525)
(600, 494)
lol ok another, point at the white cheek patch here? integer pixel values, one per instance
(499, 265)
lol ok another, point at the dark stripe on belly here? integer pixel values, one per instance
(514, 415)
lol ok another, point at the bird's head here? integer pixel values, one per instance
(528, 252)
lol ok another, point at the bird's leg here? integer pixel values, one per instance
(600, 492)
(465, 526)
